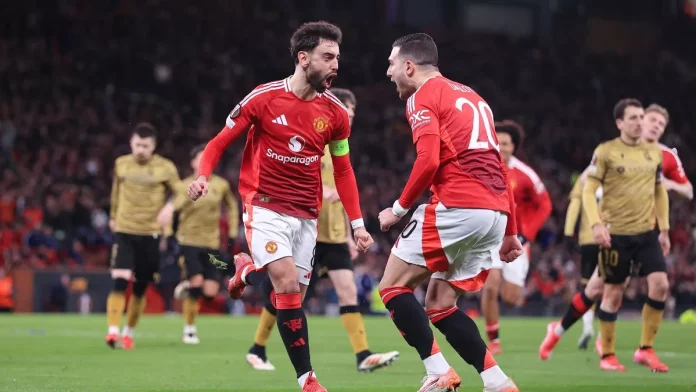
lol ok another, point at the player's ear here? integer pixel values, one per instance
(303, 58)
(410, 67)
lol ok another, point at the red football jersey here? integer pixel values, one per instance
(532, 200)
(281, 165)
(471, 173)
(672, 165)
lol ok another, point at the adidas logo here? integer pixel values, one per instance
(298, 343)
(281, 120)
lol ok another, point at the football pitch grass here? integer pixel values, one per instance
(67, 353)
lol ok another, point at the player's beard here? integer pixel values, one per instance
(318, 81)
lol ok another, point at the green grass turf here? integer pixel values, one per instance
(67, 353)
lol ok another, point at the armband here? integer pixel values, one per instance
(339, 148)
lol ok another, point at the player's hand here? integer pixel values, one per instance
(112, 225)
(387, 219)
(198, 188)
(330, 194)
(665, 243)
(510, 249)
(601, 236)
(352, 248)
(363, 239)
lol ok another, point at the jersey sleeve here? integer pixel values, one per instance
(240, 119)
(598, 165)
(672, 167)
(342, 129)
(115, 191)
(232, 211)
(173, 180)
(344, 177)
(421, 112)
(338, 146)
(541, 201)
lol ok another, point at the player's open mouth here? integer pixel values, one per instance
(329, 79)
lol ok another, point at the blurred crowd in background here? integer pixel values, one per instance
(75, 77)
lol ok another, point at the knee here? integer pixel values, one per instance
(347, 293)
(612, 298)
(491, 289)
(120, 285)
(511, 297)
(433, 303)
(594, 291)
(658, 286)
(139, 288)
(286, 285)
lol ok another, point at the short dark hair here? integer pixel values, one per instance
(308, 36)
(512, 128)
(620, 107)
(196, 150)
(344, 95)
(419, 48)
(145, 130)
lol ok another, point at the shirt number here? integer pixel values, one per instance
(479, 115)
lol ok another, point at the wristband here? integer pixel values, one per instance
(398, 210)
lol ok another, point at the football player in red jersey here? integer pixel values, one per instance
(533, 207)
(289, 122)
(451, 239)
(654, 125)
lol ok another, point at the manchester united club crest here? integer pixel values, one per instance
(321, 124)
(271, 247)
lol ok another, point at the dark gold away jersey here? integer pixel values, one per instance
(629, 175)
(585, 236)
(139, 193)
(199, 221)
(332, 218)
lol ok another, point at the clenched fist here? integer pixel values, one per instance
(198, 188)
(363, 239)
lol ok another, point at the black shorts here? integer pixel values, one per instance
(589, 254)
(640, 251)
(195, 260)
(331, 257)
(138, 253)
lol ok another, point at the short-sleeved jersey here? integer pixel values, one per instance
(628, 175)
(139, 192)
(471, 170)
(532, 201)
(199, 222)
(332, 218)
(281, 166)
(672, 165)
